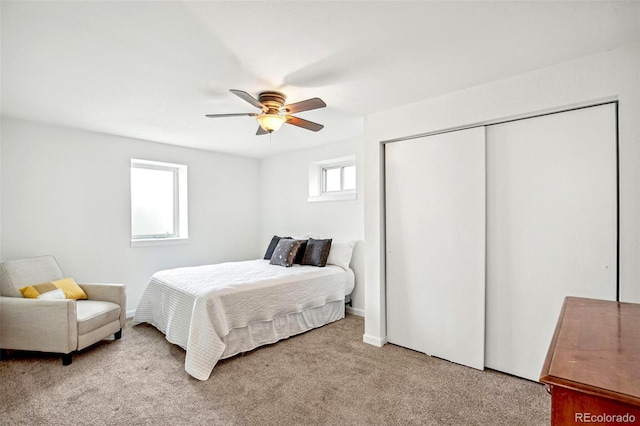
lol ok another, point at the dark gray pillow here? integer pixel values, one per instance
(317, 252)
(272, 246)
(285, 252)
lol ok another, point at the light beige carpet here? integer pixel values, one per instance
(325, 376)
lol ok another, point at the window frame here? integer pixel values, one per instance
(318, 180)
(180, 214)
(324, 178)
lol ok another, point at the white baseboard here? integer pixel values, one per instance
(354, 311)
(130, 314)
(372, 340)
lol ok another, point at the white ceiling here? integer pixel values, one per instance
(152, 70)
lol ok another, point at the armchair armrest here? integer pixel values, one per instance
(38, 325)
(115, 293)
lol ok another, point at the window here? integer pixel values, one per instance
(333, 180)
(158, 202)
(338, 178)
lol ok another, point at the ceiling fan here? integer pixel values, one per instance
(275, 112)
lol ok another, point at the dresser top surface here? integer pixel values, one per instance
(596, 348)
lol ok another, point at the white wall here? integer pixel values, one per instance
(67, 192)
(0, 187)
(610, 75)
(0, 141)
(284, 188)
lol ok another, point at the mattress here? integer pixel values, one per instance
(217, 311)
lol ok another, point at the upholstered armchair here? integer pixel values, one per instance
(60, 325)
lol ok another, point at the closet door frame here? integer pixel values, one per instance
(500, 121)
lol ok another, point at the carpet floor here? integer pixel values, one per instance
(325, 376)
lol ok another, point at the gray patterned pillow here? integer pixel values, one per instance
(272, 246)
(285, 252)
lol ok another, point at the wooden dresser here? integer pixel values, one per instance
(592, 369)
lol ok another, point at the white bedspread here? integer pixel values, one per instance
(197, 306)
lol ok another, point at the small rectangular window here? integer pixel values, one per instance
(158, 200)
(338, 178)
(333, 180)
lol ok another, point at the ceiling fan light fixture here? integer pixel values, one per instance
(271, 122)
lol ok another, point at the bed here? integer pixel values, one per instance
(218, 311)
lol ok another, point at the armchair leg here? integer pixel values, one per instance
(3, 354)
(66, 359)
(118, 334)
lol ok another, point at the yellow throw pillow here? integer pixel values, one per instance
(43, 291)
(71, 289)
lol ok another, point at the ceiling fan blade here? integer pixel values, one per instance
(309, 104)
(261, 131)
(305, 124)
(248, 98)
(250, 114)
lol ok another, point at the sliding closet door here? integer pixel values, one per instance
(551, 228)
(435, 239)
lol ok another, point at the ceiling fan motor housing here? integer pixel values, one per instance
(272, 100)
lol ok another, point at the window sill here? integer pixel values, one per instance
(150, 242)
(343, 196)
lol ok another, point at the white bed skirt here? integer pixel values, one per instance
(263, 333)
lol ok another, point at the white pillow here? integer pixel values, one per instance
(340, 253)
(305, 237)
(52, 295)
